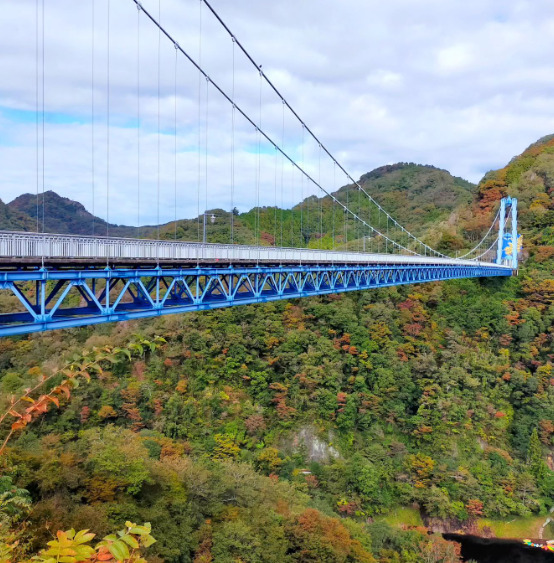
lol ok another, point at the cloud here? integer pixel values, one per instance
(461, 85)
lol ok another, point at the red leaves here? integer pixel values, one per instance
(85, 414)
(474, 507)
(63, 388)
(54, 400)
(407, 304)
(104, 555)
(38, 407)
(280, 399)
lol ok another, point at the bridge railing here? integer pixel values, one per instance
(50, 246)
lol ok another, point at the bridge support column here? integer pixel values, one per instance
(514, 234)
(501, 228)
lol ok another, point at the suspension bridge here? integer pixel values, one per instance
(56, 281)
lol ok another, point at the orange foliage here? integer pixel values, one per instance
(543, 253)
(491, 192)
(280, 399)
(312, 482)
(546, 431)
(474, 507)
(40, 405)
(318, 537)
(107, 411)
(293, 317)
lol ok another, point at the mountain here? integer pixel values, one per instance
(529, 177)
(415, 194)
(14, 220)
(61, 215)
(419, 197)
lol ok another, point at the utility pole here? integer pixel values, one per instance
(212, 221)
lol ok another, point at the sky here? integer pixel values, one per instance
(136, 134)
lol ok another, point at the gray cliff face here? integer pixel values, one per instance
(306, 440)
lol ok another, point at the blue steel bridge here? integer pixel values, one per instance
(55, 281)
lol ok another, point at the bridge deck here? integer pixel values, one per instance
(61, 281)
(29, 250)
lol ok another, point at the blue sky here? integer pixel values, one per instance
(461, 85)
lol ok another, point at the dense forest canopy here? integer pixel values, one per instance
(288, 431)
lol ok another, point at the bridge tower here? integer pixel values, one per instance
(506, 202)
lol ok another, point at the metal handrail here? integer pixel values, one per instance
(16, 244)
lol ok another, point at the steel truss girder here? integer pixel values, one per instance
(138, 293)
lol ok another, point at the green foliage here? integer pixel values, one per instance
(273, 432)
(72, 547)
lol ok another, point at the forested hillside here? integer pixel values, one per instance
(293, 431)
(58, 214)
(423, 198)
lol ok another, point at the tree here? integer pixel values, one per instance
(537, 465)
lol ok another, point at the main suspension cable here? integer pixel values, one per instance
(108, 126)
(281, 150)
(312, 134)
(92, 117)
(37, 102)
(483, 239)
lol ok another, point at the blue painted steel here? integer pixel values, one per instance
(515, 241)
(55, 298)
(501, 227)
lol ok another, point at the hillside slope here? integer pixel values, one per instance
(291, 431)
(417, 195)
(61, 215)
(530, 178)
(14, 220)
(420, 197)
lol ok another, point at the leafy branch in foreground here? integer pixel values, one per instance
(73, 547)
(73, 372)
(78, 369)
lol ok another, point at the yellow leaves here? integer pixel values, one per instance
(182, 386)
(122, 547)
(269, 459)
(107, 411)
(141, 530)
(422, 465)
(68, 547)
(226, 447)
(380, 333)
(271, 341)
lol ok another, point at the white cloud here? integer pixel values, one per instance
(461, 85)
(385, 79)
(455, 58)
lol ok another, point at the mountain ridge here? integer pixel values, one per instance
(425, 184)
